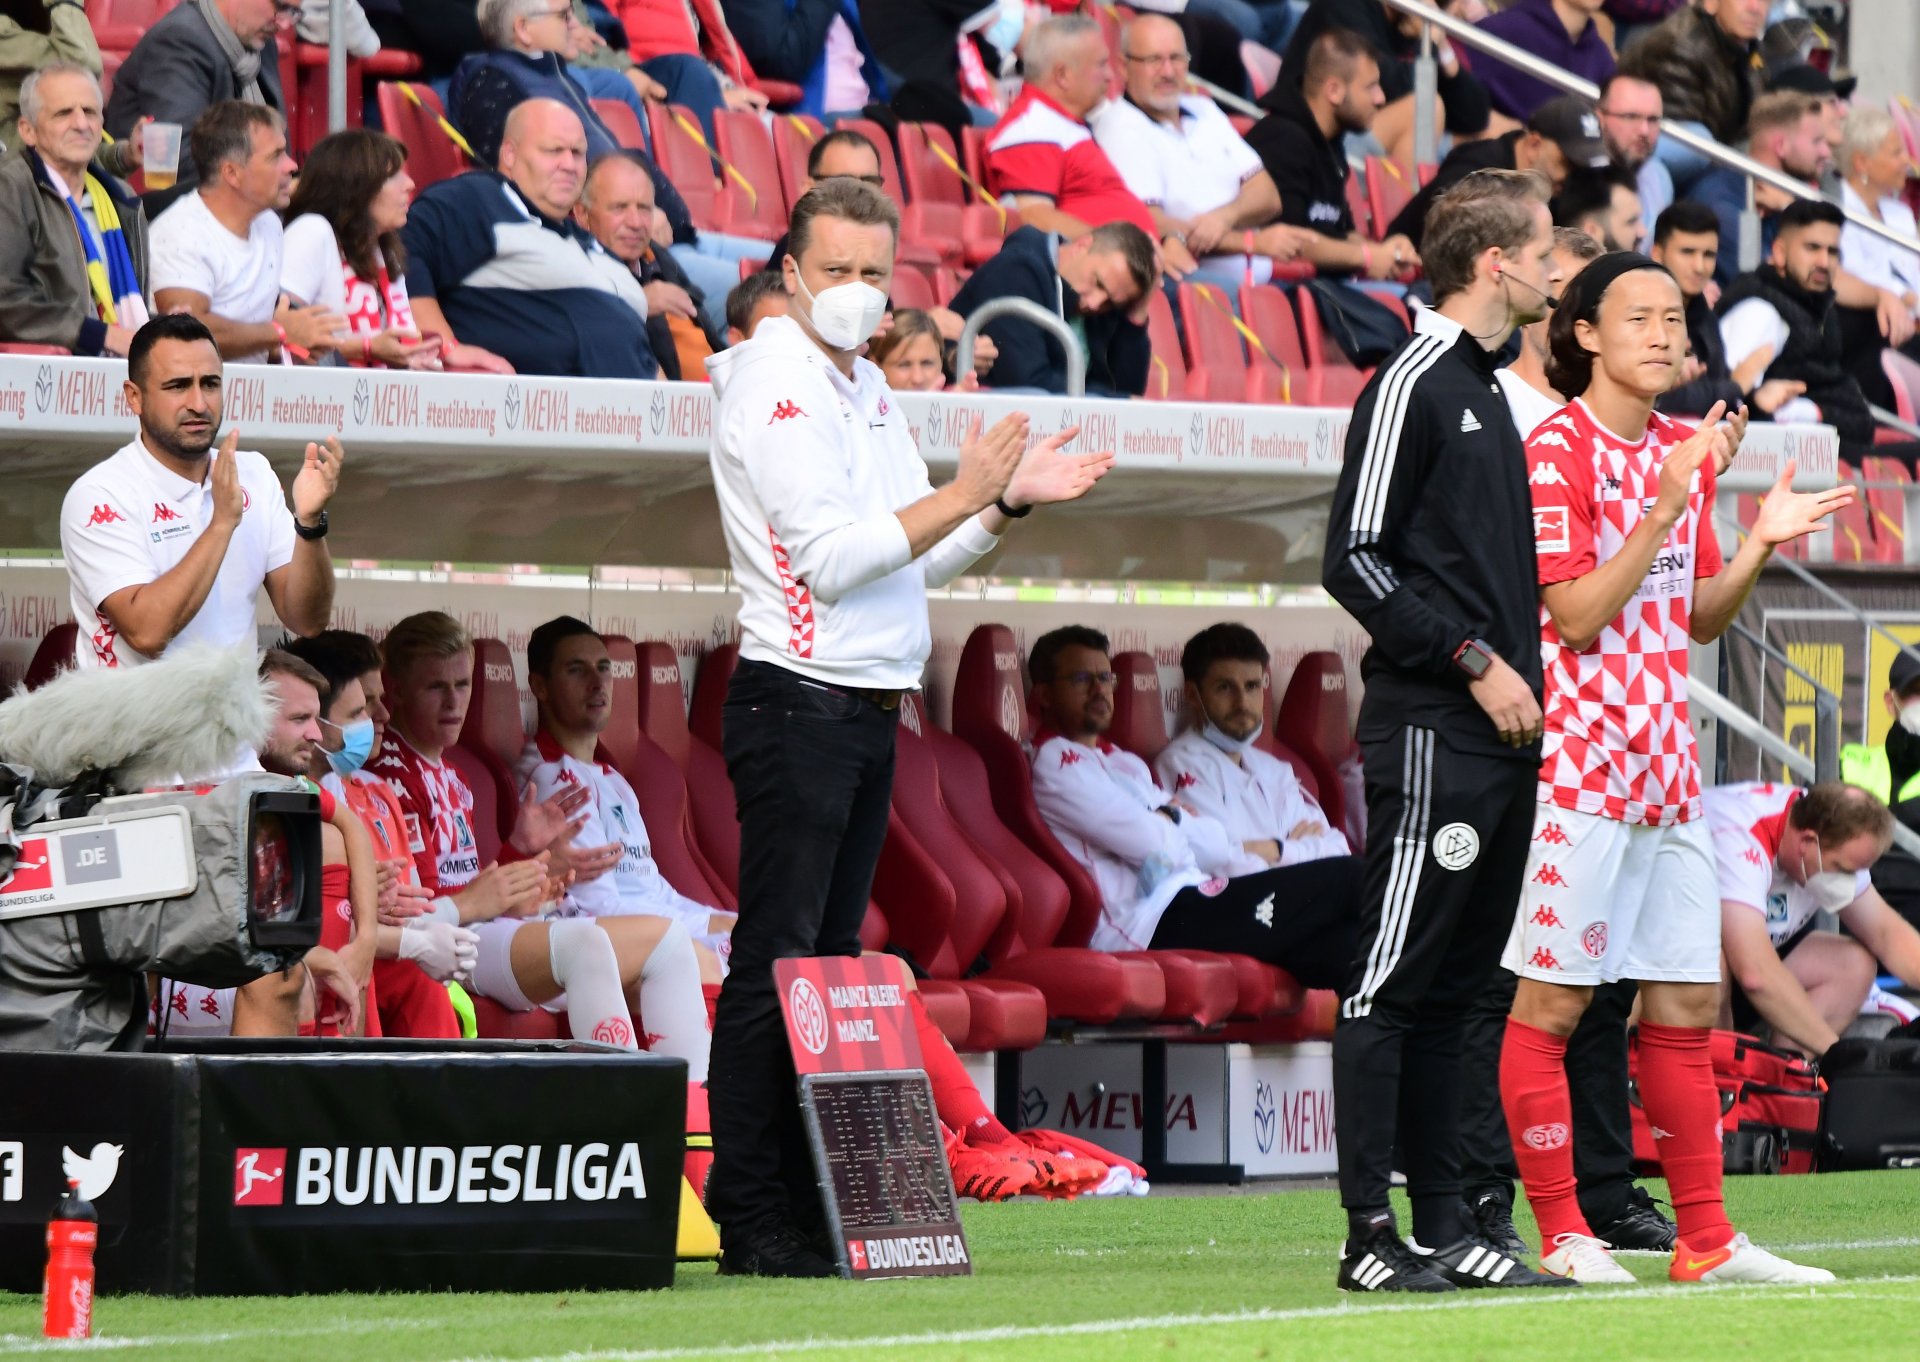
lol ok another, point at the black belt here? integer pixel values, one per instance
(879, 699)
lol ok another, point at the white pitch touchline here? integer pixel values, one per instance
(1016, 1332)
(1841, 1245)
(12, 1345)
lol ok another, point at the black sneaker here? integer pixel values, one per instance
(1489, 1216)
(1380, 1262)
(1638, 1228)
(1475, 1262)
(772, 1248)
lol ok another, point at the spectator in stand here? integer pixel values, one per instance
(1705, 60)
(36, 34)
(914, 357)
(1686, 240)
(1630, 113)
(1874, 162)
(1785, 133)
(419, 946)
(603, 966)
(342, 249)
(1603, 204)
(441, 32)
(1560, 32)
(818, 45)
(918, 41)
(166, 543)
(760, 295)
(1394, 39)
(1215, 766)
(497, 266)
(1042, 157)
(1302, 143)
(1632, 17)
(570, 674)
(1785, 855)
(608, 70)
(198, 55)
(1817, 85)
(217, 252)
(1098, 283)
(616, 206)
(75, 235)
(526, 58)
(1530, 397)
(1204, 186)
(1786, 307)
(315, 25)
(1170, 877)
(1560, 137)
(687, 46)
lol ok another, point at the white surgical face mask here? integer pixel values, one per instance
(1004, 32)
(1831, 889)
(1910, 717)
(844, 316)
(1226, 742)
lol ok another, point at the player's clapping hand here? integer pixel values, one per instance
(512, 890)
(1683, 464)
(1047, 475)
(543, 822)
(410, 902)
(1786, 514)
(587, 863)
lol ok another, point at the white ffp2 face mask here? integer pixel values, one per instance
(1226, 742)
(1831, 889)
(844, 316)
(1910, 717)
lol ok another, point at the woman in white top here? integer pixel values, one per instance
(1874, 160)
(343, 249)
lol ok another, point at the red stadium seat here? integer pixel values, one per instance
(310, 107)
(657, 781)
(757, 208)
(930, 233)
(494, 734)
(793, 138)
(973, 152)
(662, 707)
(483, 782)
(1362, 210)
(1263, 69)
(1853, 527)
(432, 153)
(911, 288)
(1139, 721)
(1887, 507)
(120, 24)
(495, 1022)
(1904, 377)
(1313, 722)
(1216, 362)
(1387, 192)
(1167, 376)
(683, 159)
(53, 656)
(947, 282)
(930, 169)
(622, 122)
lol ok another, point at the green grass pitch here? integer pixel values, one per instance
(1170, 1277)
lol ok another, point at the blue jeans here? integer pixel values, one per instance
(713, 264)
(690, 82)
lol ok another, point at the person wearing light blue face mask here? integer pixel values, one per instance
(1784, 855)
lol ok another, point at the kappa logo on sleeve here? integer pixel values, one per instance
(1550, 533)
(784, 411)
(105, 515)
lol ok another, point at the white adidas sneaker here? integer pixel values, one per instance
(1585, 1259)
(1742, 1260)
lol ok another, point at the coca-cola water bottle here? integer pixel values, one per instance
(68, 1289)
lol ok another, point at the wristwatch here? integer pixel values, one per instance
(1473, 657)
(311, 531)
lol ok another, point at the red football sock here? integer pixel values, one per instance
(958, 1101)
(1683, 1106)
(1533, 1088)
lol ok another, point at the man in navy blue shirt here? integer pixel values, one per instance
(495, 262)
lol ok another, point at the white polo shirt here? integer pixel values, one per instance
(1184, 170)
(189, 248)
(1257, 798)
(1748, 821)
(129, 520)
(809, 467)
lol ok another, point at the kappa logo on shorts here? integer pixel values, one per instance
(1553, 835)
(1594, 940)
(1544, 916)
(1552, 1135)
(1550, 875)
(1543, 959)
(1263, 911)
(1456, 846)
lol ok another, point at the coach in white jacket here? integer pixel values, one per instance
(835, 533)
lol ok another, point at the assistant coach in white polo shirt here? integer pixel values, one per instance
(169, 542)
(835, 534)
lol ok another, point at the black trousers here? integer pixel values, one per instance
(812, 770)
(1447, 837)
(1302, 918)
(1597, 1076)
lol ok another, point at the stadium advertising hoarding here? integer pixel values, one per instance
(250, 1168)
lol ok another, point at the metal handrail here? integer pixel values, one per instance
(1826, 704)
(1462, 31)
(1027, 310)
(1725, 523)
(1891, 421)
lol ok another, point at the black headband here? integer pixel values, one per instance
(1581, 297)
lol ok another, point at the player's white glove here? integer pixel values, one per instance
(443, 950)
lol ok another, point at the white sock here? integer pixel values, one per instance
(670, 1004)
(585, 966)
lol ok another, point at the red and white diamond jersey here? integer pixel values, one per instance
(1617, 740)
(438, 808)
